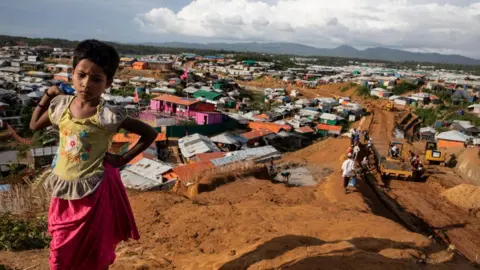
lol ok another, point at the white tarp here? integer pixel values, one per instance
(453, 135)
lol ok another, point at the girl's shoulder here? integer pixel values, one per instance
(59, 101)
(57, 107)
(111, 117)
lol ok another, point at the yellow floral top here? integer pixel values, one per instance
(78, 166)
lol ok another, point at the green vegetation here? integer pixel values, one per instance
(475, 120)
(145, 96)
(429, 116)
(187, 123)
(124, 49)
(345, 88)
(126, 91)
(403, 88)
(363, 91)
(25, 113)
(17, 234)
(446, 113)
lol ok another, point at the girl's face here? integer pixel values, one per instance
(89, 80)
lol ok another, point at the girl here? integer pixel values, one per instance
(89, 211)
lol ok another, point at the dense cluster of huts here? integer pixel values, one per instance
(205, 118)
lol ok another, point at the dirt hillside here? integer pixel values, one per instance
(254, 224)
(465, 196)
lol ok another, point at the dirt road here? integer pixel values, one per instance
(423, 199)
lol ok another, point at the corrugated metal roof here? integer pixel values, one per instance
(270, 126)
(190, 90)
(44, 151)
(7, 157)
(256, 134)
(463, 124)
(330, 116)
(149, 168)
(228, 138)
(428, 129)
(196, 144)
(208, 156)
(259, 154)
(176, 100)
(145, 174)
(305, 129)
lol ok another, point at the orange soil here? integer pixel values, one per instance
(327, 90)
(128, 73)
(253, 223)
(424, 199)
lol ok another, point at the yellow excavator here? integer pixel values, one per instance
(433, 155)
(389, 106)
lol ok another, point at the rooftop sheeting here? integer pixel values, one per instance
(258, 154)
(196, 144)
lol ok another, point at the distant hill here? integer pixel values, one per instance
(345, 51)
(378, 53)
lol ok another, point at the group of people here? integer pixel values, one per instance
(349, 165)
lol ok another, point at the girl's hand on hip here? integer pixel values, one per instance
(115, 161)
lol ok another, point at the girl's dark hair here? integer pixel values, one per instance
(100, 53)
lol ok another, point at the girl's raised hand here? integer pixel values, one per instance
(54, 91)
(115, 161)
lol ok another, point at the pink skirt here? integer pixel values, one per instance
(86, 232)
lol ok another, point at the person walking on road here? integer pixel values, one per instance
(356, 151)
(348, 171)
(365, 164)
(350, 149)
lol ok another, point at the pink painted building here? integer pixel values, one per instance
(202, 113)
(207, 118)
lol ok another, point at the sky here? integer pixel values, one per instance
(443, 26)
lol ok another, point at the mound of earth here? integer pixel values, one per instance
(464, 196)
(468, 166)
(252, 223)
(255, 224)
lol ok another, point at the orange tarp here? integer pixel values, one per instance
(256, 134)
(262, 116)
(305, 129)
(132, 137)
(192, 170)
(270, 126)
(176, 100)
(140, 65)
(328, 127)
(120, 139)
(445, 143)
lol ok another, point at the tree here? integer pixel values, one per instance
(25, 113)
(404, 87)
(363, 91)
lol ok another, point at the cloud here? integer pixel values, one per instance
(409, 24)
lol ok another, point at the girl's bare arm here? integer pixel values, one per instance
(40, 118)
